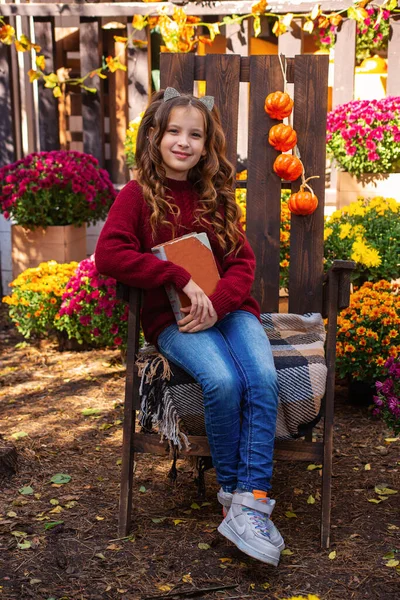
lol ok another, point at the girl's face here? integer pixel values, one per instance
(183, 142)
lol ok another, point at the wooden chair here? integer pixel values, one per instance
(309, 289)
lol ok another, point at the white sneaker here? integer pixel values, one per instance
(248, 526)
(225, 498)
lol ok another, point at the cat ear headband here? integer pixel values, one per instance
(171, 92)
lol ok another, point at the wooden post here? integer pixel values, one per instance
(118, 107)
(139, 72)
(263, 186)
(237, 42)
(343, 75)
(393, 79)
(223, 82)
(28, 114)
(48, 104)
(345, 60)
(131, 400)
(92, 104)
(329, 409)
(7, 146)
(310, 106)
(290, 43)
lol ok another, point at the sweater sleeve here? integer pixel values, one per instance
(236, 282)
(118, 252)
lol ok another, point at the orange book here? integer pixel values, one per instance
(193, 253)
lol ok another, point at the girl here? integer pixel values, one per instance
(184, 184)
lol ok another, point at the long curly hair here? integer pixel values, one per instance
(212, 177)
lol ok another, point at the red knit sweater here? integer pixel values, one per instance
(124, 252)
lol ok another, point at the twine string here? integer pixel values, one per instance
(282, 57)
(304, 183)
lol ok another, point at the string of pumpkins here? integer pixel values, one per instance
(279, 105)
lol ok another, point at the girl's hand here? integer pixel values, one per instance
(201, 305)
(189, 325)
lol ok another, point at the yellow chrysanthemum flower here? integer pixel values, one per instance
(345, 230)
(365, 255)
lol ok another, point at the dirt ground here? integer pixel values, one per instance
(60, 541)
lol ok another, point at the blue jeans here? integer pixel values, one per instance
(233, 363)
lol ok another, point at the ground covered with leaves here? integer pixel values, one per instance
(58, 513)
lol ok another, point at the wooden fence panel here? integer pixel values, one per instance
(7, 147)
(393, 80)
(177, 72)
(263, 186)
(28, 107)
(48, 104)
(118, 108)
(306, 235)
(92, 106)
(290, 43)
(345, 61)
(222, 82)
(139, 72)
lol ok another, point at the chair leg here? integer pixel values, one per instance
(326, 486)
(125, 501)
(131, 402)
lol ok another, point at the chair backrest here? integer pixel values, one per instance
(309, 74)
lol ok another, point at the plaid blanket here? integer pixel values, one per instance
(172, 400)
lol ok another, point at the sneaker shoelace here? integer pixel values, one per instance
(260, 520)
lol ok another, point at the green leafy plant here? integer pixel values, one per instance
(55, 188)
(368, 232)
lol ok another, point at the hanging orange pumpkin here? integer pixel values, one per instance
(282, 137)
(302, 202)
(288, 167)
(278, 105)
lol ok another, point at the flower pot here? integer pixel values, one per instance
(66, 344)
(62, 244)
(350, 187)
(360, 392)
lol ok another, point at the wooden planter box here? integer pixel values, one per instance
(63, 244)
(349, 187)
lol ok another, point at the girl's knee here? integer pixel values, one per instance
(266, 378)
(224, 387)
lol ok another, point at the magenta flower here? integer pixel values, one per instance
(370, 145)
(351, 150)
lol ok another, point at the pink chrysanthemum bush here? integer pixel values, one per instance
(364, 135)
(90, 311)
(387, 399)
(55, 188)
